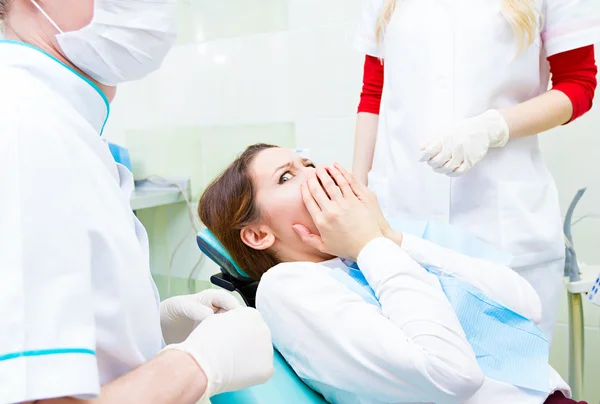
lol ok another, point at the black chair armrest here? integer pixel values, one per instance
(247, 289)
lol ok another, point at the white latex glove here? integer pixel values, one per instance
(234, 350)
(457, 150)
(180, 315)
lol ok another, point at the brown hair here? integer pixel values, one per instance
(4, 9)
(228, 205)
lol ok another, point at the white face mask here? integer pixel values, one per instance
(126, 40)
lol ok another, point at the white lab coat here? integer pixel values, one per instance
(78, 307)
(454, 59)
(412, 349)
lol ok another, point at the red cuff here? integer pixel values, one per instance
(370, 98)
(574, 73)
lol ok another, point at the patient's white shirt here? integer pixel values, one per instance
(412, 349)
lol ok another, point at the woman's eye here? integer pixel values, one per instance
(311, 165)
(285, 177)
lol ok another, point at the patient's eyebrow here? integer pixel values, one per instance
(289, 165)
(285, 166)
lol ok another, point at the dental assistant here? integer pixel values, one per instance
(451, 133)
(80, 318)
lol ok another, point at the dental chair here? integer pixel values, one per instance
(285, 386)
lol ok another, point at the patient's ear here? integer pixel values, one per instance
(257, 237)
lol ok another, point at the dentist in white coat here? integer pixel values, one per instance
(464, 93)
(80, 319)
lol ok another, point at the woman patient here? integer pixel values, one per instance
(291, 226)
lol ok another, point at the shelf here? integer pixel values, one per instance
(145, 199)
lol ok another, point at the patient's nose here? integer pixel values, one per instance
(307, 169)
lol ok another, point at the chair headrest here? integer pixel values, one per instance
(212, 247)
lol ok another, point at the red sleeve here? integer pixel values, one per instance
(574, 73)
(370, 98)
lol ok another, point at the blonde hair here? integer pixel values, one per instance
(522, 15)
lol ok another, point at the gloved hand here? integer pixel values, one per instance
(234, 350)
(180, 315)
(457, 150)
